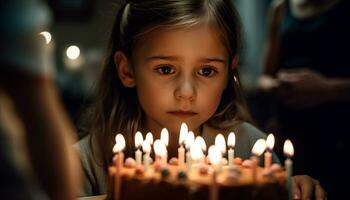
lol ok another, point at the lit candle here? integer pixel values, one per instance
(289, 152)
(182, 138)
(164, 137)
(221, 144)
(146, 147)
(118, 161)
(231, 142)
(215, 157)
(160, 151)
(270, 142)
(258, 148)
(188, 143)
(138, 144)
(196, 152)
(149, 138)
(200, 141)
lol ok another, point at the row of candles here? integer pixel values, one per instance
(195, 151)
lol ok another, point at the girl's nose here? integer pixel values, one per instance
(186, 90)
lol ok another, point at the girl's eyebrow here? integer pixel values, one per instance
(176, 58)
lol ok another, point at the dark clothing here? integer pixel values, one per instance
(320, 134)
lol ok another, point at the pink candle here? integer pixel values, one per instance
(258, 148)
(270, 142)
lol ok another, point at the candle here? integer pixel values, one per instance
(215, 158)
(182, 138)
(258, 148)
(231, 142)
(138, 144)
(221, 145)
(200, 141)
(146, 147)
(149, 138)
(270, 142)
(289, 152)
(160, 151)
(196, 152)
(118, 161)
(164, 137)
(188, 143)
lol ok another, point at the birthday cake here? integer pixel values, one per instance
(172, 182)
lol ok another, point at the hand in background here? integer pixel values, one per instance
(304, 187)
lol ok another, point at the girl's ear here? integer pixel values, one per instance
(234, 63)
(124, 69)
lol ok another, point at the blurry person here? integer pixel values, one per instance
(37, 159)
(307, 69)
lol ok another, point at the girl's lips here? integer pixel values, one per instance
(180, 113)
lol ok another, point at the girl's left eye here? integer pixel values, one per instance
(207, 72)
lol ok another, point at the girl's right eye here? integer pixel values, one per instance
(165, 70)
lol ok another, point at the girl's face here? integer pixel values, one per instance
(179, 75)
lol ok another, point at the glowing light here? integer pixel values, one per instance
(270, 141)
(183, 133)
(146, 147)
(231, 140)
(73, 52)
(159, 148)
(220, 143)
(149, 138)
(214, 155)
(119, 143)
(196, 151)
(189, 139)
(164, 136)
(201, 143)
(47, 36)
(259, 147)
(288, 148)
(138, 139)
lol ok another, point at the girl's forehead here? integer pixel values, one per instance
(202, 38)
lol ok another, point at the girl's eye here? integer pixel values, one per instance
(207, 72)
(165, 70)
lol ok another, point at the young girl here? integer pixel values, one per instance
(170, 62)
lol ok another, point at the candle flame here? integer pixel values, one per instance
(47, 36)
(159, 148)
(201, 143)
(214, 155)
(259, 147)
(231, 140)
(138, 139)
(288, 148)
(220, 143)
(270, 141)
(164, 136)
(183, 133)
(149, 138)
(146, 147)
(189, 139)
(196, 151)
(119, 143)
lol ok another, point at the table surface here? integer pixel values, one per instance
(99, 197)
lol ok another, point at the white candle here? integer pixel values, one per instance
(188, 143)
(138, 144)
(215, 157)
(182, 138)
(146, 147)
(118, 161)
(270, 142)
(258, 148)
(231, 142)
(288, 150)
(196, 152)
(221, 145)
(201, 143)
(164, 137)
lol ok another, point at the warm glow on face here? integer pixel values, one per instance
(201, 143)
(288, 148)
(138, 139)
(164, 136)
(270, 141)
(146, 147)
(47, 36)
(214, 155)
(189, 139)
(159, 148)
(196, 151)
(149, 138)
(119, 143)
(231, 140)
(220, 143)
(183, 133)
(73, 52)
(259, 147)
